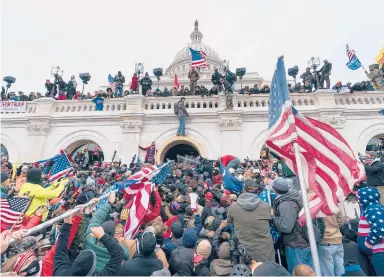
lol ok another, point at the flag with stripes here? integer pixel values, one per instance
(12, 211)
(198, 58)
(138, 207)
(111, 82)
(353, 62)
(330, 167)
(61, 167)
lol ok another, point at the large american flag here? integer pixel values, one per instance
(111, 82)
(12, 211)
(61, 167)
(330, 167)
(198, 58)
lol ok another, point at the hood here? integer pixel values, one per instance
(248, 201)
(270, 269)
(221, 267)
(34, 176)
(368, 196)
(291, 195)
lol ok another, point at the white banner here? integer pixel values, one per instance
(13, 106)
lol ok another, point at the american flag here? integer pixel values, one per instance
(330, 167)
(11, 212)
(138, 207)
(353, 62)
(61, 167)
(198, 58)
(111, 82)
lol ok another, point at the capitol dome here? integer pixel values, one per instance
(182, 62)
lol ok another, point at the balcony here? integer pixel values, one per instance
(157, 106)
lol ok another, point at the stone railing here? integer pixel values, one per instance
(195, 104)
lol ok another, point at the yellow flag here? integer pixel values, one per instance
(14, 169)
(380, 58)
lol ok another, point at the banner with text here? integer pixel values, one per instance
(13, 106)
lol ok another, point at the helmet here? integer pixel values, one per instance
(240, 270)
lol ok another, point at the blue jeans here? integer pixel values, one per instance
(378, 263)
(181, 129)
(118, 91)
(331, 259)
(297, 256)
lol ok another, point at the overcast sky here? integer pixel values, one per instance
(102, 37)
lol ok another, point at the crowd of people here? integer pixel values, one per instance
(197, 222)
(61, 90)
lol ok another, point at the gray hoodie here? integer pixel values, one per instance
(251, 218)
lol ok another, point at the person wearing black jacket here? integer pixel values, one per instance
(85, 263)
(325, 71)
(144, 262)
(217, 80)
(51, 89)
(375, 173)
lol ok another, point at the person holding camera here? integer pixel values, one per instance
(251, 217)
(119, 82)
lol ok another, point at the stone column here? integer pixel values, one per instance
(38, 127)
(230, 122)
(129, 143)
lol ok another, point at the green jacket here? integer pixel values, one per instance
(91, 243)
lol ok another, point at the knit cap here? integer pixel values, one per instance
(204, 248)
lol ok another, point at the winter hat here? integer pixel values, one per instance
(368, 196)
(250, 185)
(224, 251)
(109, 228)
(84, 264)
(189, 238)
(177, 229)
(4, 176)
(209, 196)
(233, 197)
(281, 184)
(204, 248)
(82, 199)
(34, 176)
(270, 269)
(215, 224)
(147, 244)
(163, 272)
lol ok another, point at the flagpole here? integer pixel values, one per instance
(52, 221)
(308, 219)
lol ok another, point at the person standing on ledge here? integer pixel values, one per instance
(181, 112)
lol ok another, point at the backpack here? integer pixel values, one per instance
(318, 229)
(176, 108)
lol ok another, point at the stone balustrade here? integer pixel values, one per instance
(195, 104)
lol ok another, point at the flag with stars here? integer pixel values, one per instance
(111, 82)
(12, 211)
(198, 58)
(375, 219)
(62, 167)
(330, 167)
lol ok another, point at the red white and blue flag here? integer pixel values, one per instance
(61, 167)
(198, 58)
(353, 62)
(330, 167)
(111, 82)
(12, 211)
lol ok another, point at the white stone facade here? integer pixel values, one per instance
(49, 125)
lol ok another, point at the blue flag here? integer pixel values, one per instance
(230, 182)
(162, 173)
(354, 63)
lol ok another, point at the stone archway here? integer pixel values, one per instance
(367, 135)
(176, 140)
